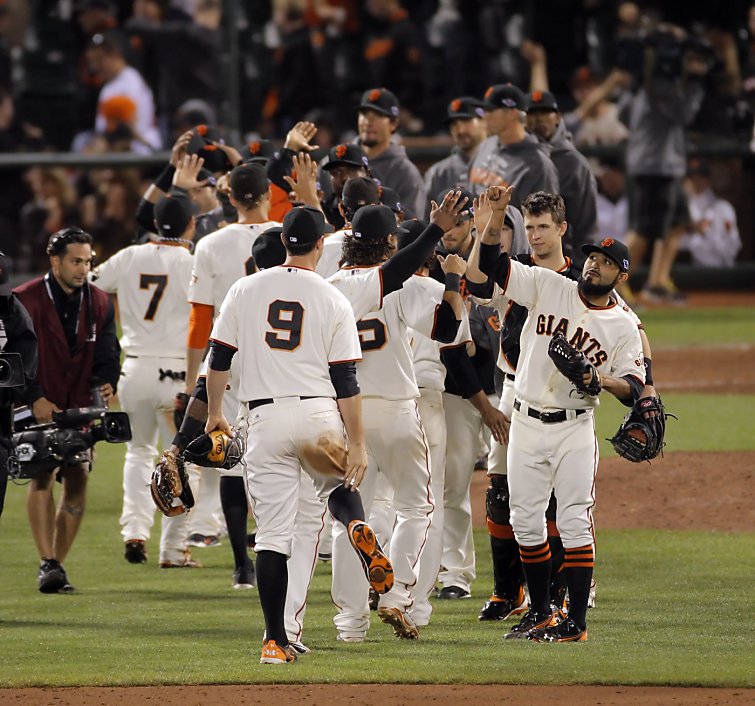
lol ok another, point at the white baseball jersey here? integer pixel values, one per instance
(608, 336)
(152, 284)
(428, 370)
(288, 324)
(386, 370)
(221, 258)
(331, 253)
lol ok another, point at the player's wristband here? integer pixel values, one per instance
(453, 282)
(648, 371)
(165, 180)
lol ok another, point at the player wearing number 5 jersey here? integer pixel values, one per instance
(396, 442)
(152, 282)
(297, 343)
(220, 259)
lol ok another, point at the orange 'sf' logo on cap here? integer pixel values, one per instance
(607, 242)
(537, 96)
(455, 105)
(254, 147)
(488, 93)
(201, 130)
(340, 151)
(374, 95)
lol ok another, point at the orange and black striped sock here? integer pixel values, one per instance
(536, 562)
(579, 563)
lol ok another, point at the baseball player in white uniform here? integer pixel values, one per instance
(396, 443)
(297, 343)
(221, 258)
(552, 444)
(152, 282)
(430, 373)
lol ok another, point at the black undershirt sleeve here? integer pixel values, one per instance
(446, 324)
(221, 356)
(344, 379)
(481, 291)
(409, 259)
(494, 263)
(636, 387)
(461, 370)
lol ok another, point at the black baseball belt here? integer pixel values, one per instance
(253, 404)
(548, 417)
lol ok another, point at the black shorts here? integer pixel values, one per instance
(656, 204)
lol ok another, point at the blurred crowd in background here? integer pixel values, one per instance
(101, 76)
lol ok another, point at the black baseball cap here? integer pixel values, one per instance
(5, 266)
(349, 154)
(541, 101)
(208, 176)
(380, 100)
(360, 191)
(468, 211)
(202, 143)
(172, 215)
(305, 224)
(504, 95)
(261, 151)
(412, 230)
(268, 249)
(389, 197)
(374, 223)
(249, 182)
(611, 247)
(464, 108)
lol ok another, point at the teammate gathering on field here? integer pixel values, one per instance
(380, 331)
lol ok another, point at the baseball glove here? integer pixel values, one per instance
(170, 486)
(640, 436)
(216, 450)
(573, 365)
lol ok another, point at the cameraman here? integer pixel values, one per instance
(78, 351)
(16, 336)
(668, 99)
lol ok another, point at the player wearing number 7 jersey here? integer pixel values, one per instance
(220, 259)
(152, 282)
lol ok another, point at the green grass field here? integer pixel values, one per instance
(674, 608)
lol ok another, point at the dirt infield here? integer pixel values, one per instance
(665, 495)
(384, 694)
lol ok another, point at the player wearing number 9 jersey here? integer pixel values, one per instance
(152, 282)
(220, 259)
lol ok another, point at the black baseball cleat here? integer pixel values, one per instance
(530, 621)
(452, 593)
(567, 631)
(496, 608)
(52, 577)
(135, 551)
(377, 566)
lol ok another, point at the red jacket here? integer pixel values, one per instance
(65, 377)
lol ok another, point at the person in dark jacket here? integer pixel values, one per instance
(577, 184)
(78, 355)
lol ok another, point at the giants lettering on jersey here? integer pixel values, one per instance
(582, 340)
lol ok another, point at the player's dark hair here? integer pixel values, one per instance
(59, 241)
(358, 252)
(543, 202)
(297, 249)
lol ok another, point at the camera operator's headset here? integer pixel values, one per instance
(56, 245)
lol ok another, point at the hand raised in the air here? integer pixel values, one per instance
(299, 135)
(447, 214)
(499, 197)
(178, 152)
(482, 212)
(453, 264)
(187, 173)
(303, 183)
